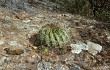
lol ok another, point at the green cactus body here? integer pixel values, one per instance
(52, 38)
(65, 37)
(53, 35)
(41, 35)
(47, 38)
(58, 39)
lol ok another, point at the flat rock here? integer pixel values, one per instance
(94, 48)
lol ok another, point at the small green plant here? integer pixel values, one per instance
(53, 35)
(43, 50)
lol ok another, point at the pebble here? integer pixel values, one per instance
(1, 42)
(7, 58)
(7, 18)
(75, 67)
(26, 21)
(22, 15)
(22, 65)
(13, 43)
(78, 47)
(108, 37)
(44, 65)
(61, 67)
(40, 15)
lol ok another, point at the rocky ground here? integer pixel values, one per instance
(17, 51)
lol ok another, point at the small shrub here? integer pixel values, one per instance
(98, 9)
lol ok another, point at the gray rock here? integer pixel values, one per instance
(78, 47)
(68, 57)
(40, 15)
(13, 43)
(59, 66)
(22, 65)
(7, 18)
(1, 42)
(75, 67)
(7, 58)
(44, 66)
(94, 48)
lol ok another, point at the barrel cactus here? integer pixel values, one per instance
(53, 35)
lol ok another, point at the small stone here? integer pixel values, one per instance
(69, 57)
(22, 65)
(11, 51)
(33, 56)
(108, 37)
(40, 15)
(22, 15)
(1, 33)
(93, 48)
(8, 58)
(74, 67)
(26, 21)
(76, 21)
(1, 42)
(44, 66)
(7, 18)
(13, 43)
(30, 59)
(78, 47)
(61, 67)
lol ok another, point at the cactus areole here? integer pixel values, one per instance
(53, 35)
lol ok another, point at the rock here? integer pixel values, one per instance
(4, 59)
(69, 57)
(44, 66)
(108, 37)
(1, 42)
(75, 67)
(40, 16)
(78, 47)
(21, 65)
(7, 58)
(15, 51)
(60, 67)
(7, 18)
(13, 43)
(93, 48)
(26, 21)
(22, 15)
(1, 33)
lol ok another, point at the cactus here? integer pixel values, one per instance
(53, 35)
